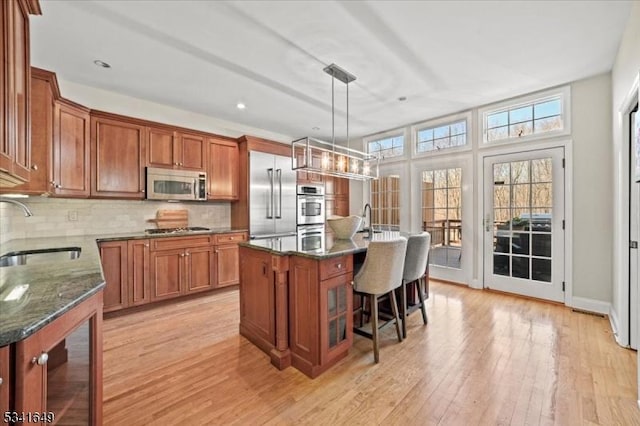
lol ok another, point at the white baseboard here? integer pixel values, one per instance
(591, 305)
(614, 321)
(476, 284)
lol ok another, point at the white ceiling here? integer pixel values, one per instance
(444, 56)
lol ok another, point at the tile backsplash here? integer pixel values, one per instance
(54, 217)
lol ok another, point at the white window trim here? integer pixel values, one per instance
(563, 92)
(401, 131)
(449, 119)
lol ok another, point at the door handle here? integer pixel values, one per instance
(487, 223)
(270, 202)
(279, 213)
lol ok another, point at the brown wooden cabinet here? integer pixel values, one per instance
(15, 83)
(38, 390)
(228, 258)
(176, 149)
(138, 271)
(5, 378)
(305, 177)
(118, 158)
(181, 265)
(70, 150)
(223, 169)
(113, 255)
(336, 196)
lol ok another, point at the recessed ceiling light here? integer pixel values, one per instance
(402, 98)
(315, 128)
(102, 64)
(240, 105)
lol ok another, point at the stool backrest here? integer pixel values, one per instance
(415, 263)
(383, 267)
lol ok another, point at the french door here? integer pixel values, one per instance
(523, 223)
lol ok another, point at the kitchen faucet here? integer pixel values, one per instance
(27, 211)
(364, 216)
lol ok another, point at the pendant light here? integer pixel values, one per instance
(327, 158)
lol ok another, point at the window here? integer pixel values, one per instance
(442, 215)
(546, 114)
(385, 203)
(392, 146)
(442, 137)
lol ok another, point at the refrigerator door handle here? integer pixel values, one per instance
(270, 201)
(279, 213)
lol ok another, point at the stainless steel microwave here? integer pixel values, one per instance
(179, 185)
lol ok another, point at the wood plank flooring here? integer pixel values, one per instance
(484, 358)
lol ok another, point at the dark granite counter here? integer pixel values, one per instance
(35, 294)
(285, 246)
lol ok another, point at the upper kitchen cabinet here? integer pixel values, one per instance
(176, 149)
(15, 76)
(223, 169)
(70, 150)
(305, 177)
(118, 157)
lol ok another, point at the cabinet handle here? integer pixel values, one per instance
(41, 359)
(175, 164)
(339, 265)
(1, 381)
(181, 254)
(188, 254)
(34, 167)
(215, 251)
(146, 245)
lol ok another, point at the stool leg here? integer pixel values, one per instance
(374, 327)
(403, 308)
(394, 305)
(421, 296)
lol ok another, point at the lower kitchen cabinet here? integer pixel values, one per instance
(113, 255)
(138, 272)
(71, 393)
(199, 269)
(228, 258)
(166, 269)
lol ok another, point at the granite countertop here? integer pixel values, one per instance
(285, 246)
(54, 286)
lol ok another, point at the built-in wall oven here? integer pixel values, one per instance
(310, 205)
(311, 238)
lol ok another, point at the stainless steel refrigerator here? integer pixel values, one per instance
(272, 196)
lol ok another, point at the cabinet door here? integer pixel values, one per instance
(228, 264)
(21, 84)
(200, 269)
(341, 187)
(336, 319)
(113, 255)
(5, 379)
(166, 273)
(118, 156)
(191, 151)
(223, 170)
(341, 206)
(160, 148)
(70, 151)
(138, 268)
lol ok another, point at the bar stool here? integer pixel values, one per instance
(415, 267)
(381, 273)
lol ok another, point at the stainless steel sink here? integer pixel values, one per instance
(24, 257)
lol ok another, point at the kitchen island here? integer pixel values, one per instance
(297, 305)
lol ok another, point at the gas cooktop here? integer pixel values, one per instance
(176, 230)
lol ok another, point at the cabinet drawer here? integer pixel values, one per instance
(229, 238)
(181, 242)
(336, 266)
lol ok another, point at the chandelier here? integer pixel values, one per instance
(327, 158)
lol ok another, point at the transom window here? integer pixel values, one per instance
(392, 146)
(442, 137)
(516, 121)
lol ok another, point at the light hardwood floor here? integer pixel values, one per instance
(484, 358)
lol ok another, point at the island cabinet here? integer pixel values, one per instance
(181, 265)
(118, 157)
(320, 312)
(71, 392)
(176, 149)
(223, 169)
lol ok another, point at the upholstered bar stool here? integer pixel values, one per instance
(415, 266)
(381, 274)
